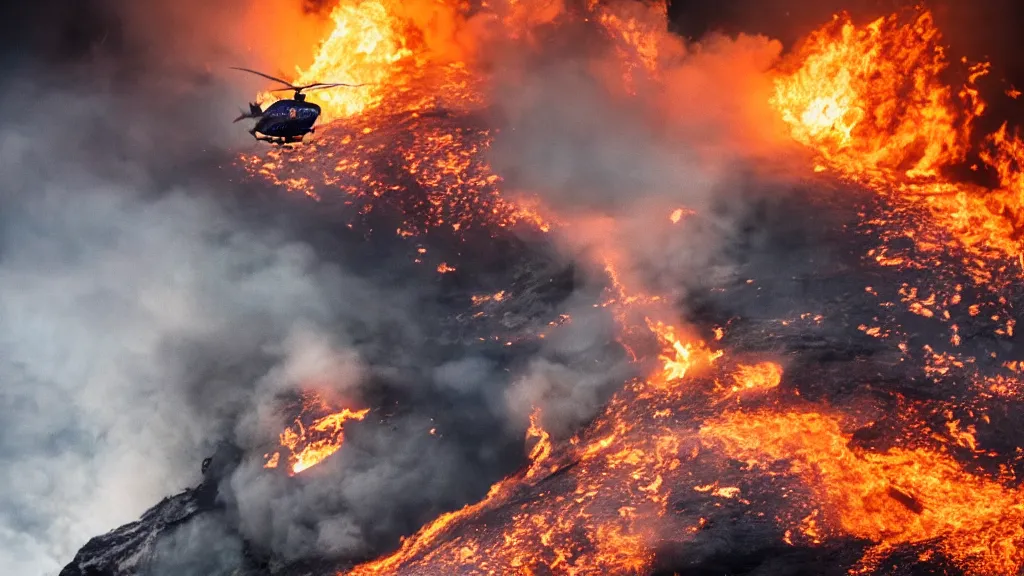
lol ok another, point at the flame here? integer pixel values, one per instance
(869, 99)
(308, 446)
(898, 497)
(679, 356)
(870, 102)
(364, 47)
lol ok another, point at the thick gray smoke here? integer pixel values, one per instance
(617, 148)
(147, 311)
(138, 319)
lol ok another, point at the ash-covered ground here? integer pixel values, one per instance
(789, 285)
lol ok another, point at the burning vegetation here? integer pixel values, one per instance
(868, 103)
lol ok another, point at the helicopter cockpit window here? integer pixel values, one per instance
(292, 112)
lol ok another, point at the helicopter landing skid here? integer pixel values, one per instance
(278, 140)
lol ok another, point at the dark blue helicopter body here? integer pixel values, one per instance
(288, 118)
(285, 121)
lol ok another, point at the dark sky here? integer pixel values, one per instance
(51, 30)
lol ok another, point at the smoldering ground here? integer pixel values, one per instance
(150, 308)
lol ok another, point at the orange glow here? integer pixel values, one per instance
(678, 214)
(891, 498)
(763, 376)
(307, 446)
(364, 48)
(870, 102)
(867, 101)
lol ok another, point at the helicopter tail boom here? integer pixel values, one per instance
(254, 112)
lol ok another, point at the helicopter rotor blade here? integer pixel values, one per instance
(289, 85)
(317, 86)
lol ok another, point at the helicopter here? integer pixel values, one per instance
(285, 121)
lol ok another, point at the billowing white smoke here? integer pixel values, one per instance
(135, 325)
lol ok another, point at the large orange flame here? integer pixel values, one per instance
(365, 47)
(871, 103)
(869, 99)
(891, 498)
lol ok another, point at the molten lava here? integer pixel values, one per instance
(890, 498)
(307, 446)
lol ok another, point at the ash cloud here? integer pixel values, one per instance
(573, 374)
(387, 481)
(207, 545)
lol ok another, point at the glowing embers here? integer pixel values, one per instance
(307, 445)
(431, 170)
(893, 498)
(589, 506)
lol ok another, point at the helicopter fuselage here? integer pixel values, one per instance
(288, 119)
